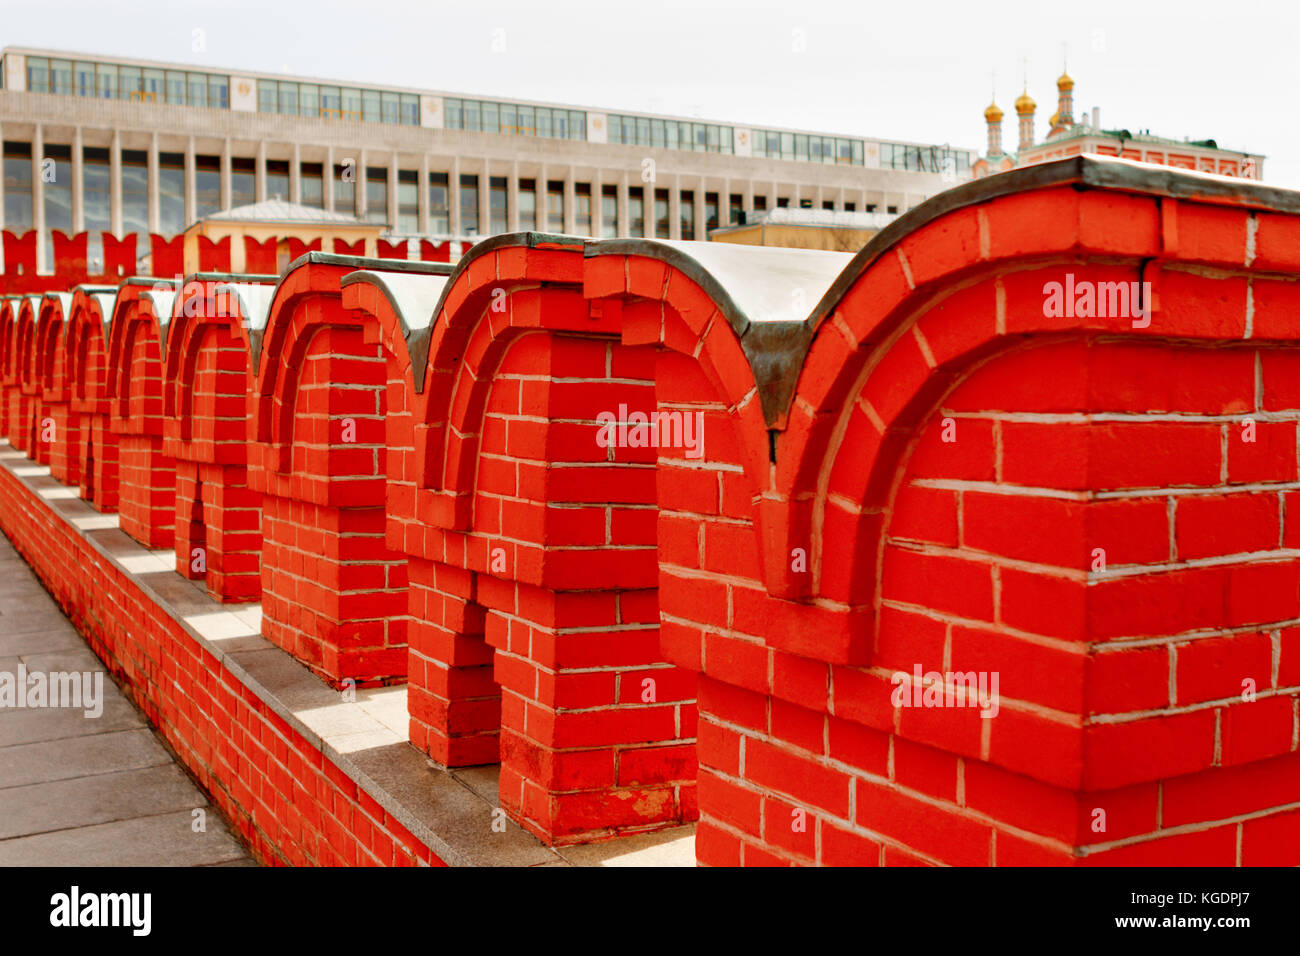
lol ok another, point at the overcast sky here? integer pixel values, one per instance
(906, 70)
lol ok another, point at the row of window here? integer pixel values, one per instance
(530, 193)
(490, 117)
(111, 82)
(774, 144)
(97, 189)
(669, 134)
(190, 88)
(928, 159)
(337, 102)
(806, 147)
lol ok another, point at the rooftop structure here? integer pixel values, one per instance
(279, 230)
(276, 211)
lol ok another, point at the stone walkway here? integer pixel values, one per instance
(87, 791)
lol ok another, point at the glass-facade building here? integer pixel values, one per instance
(452, 166)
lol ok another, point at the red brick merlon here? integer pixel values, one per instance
(333, 593)
(533, 632)
(137, 336)
(214, 314)
(7, 355)
(1040, 436)
(14, 408)
(60, 428)
(51, 404)
(208, 383)
(85, 348)
(20, 377)
(1088, 503)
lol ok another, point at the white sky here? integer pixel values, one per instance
(902, 69)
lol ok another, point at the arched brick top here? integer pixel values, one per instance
(762, 293)
(88, 323)
(667, 302)
(920, 305)
(8, 330)
(1079, 172)
(25, 345)
(402, 306)
(142, 310)
(506, 284)
(51, 334)
(307, 298)
(642, 292)
(237, 304)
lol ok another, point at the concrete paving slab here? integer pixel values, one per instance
(36, 642)
(52, 760)
(102, 798)
(434, 799)
(35, 613)
(16, 581)
(26, 726)
(388, 706)
(166, 839)
(47, 660)
(341, 719)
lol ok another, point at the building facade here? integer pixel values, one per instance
(1068, 137)
(111, 145)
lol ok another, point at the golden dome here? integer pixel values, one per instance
(1065, 82)
(1025, 103)
(993, 114)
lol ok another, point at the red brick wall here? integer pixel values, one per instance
(207, 401)
(25, 409)
(585, 697)
(147, 476)
(343, 620)
(96, 451)
(1142, 607)
(334, 594)
(533, 600)
(64, 425)
(1121, 689)
(714, 613)
(987, 567)
(1092, 508)
(8, 355)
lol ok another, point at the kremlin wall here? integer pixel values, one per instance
(951, 578)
